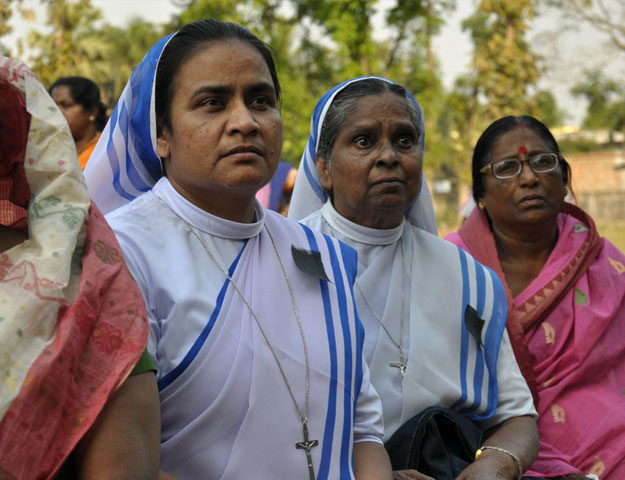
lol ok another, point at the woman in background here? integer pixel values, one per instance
(566, 296)
(79, 100)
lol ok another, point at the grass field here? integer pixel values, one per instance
(613, 232)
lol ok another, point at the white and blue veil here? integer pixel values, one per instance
(308, 194)
(124, 163)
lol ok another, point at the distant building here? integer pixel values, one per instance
(599, 137)
(598, 176)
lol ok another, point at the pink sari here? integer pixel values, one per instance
(568, 332)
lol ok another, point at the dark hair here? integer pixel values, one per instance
(344, 105)
(484, 146)
(86, 93)
(183, 44)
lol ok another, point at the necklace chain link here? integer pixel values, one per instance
(398, 345)
(403, 303)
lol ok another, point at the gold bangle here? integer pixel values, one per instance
(515, 458)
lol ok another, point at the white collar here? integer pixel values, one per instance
(204, 221)
(358, 233)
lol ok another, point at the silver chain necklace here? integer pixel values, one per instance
(401, 364)
(303, 414)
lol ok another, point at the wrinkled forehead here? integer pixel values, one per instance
(328, 99)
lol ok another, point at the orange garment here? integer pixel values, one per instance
(83, 157)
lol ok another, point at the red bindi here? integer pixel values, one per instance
(522, 149)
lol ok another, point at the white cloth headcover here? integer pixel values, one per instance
(308, 194)
(124, 163)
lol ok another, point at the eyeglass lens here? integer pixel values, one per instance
(511, 167)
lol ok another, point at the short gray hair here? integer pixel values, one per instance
(344, 105)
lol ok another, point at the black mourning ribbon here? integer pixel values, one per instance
(473, 323)
(309, 262)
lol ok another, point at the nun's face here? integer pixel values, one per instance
(375, 169)
(226, 134)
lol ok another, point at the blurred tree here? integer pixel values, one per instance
(73, 47)
(6, 12)
(606, 102)
(225, 10)
(421, 76)
(81, 44)
(319, 43)
(125, 48)
(505, 69)
(347, 23)
(606, 16)
(548, 111)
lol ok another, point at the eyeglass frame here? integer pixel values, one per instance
(489, 166)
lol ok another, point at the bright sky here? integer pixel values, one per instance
(567, 51)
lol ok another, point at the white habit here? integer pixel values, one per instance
(445, 365)
(226, 411)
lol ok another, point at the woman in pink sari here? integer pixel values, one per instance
(566, 290)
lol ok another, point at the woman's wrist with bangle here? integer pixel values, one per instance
(515, 458)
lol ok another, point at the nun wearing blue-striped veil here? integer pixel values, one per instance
(434, 318)
(252, 320)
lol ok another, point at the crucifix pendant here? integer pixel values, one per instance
(401, 365)
(307, 445)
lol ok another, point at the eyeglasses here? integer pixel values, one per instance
(511, 167)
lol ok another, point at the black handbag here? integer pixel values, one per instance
(438, 442)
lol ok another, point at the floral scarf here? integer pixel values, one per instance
(72, 320)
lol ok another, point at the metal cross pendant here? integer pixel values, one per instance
(401, 365)
(307, 445)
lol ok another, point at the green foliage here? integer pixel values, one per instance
(546, 104)
(319, 43)
(347, 22)
(71, 48)
(606, 101)
(505, 69)
(79, 43)
(7, 9)
(126, 47)
(501, 82)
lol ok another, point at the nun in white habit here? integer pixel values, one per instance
(259, 355)
(421, 299)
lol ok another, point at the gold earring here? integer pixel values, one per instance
(92, 118)
(480, 205)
